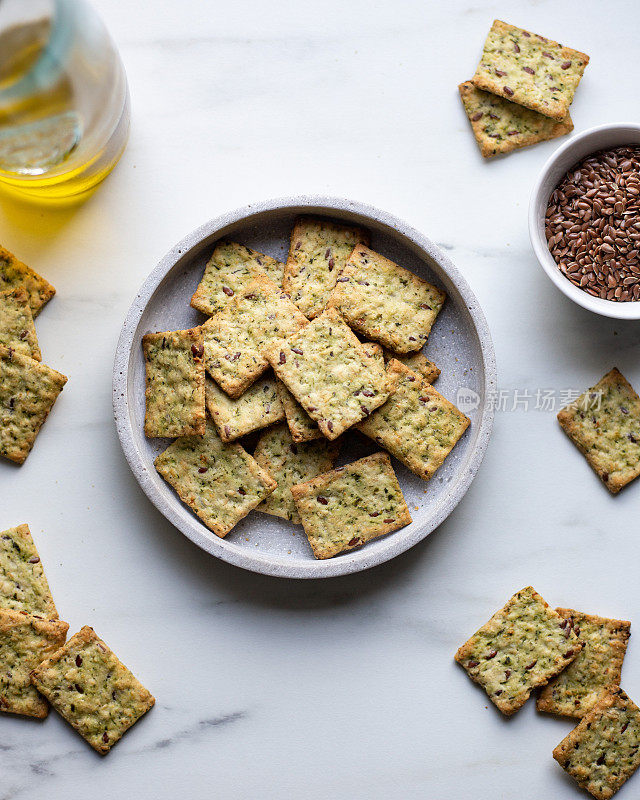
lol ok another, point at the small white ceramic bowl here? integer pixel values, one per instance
(578, 147)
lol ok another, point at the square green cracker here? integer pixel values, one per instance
(576, 690)
(23, 584)
(522, 646)
(25, 640)
(530, 70)
(290, 463)
(501, 126)
(330, 374)
(219, 482)
(228, 271)
(16, 323)
(386, 302)
(92, 689)
(603, 751)
(417, 424)
(302, 427)
(317, 254)
(28, 390)
(604, 423)
(174, 393)
(257, 408)
(375, 352)
(236, 338)
(417, 362)
(14, 273)
(349, 506)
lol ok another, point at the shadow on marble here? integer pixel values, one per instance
(39, 223)
(592, 342)
(209, 576)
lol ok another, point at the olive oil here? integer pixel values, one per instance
(64, 104)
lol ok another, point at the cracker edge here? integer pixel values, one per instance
(24, 533)
(213, 409)
(618, 644)
(272, 354)
(20, 294)
(45, 289)
(85, 635)
(510, 708)
(50, 626)
(262, 474)
(20, 454)
(395, 370)
(361, 232)
(566, 419)
(196, 300)
(494, 86)
(428, 371)
(307, 488)
(286, 403)
(198, 424)
(333, 451)
(384, 338)
(237, 386)
(567, 746)
(561, 128)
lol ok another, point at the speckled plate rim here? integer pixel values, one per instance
(191, 527)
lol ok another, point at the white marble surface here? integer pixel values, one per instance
(347, 688)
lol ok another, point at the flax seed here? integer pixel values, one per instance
(592, 224)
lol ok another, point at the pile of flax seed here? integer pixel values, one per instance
(593, 224)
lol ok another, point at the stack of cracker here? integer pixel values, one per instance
(82, 679)
(576, 659)
(28, 388)
(305, 351)
(522, 90)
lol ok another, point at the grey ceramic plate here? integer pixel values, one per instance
(460, 344)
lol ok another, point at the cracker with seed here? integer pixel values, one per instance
(317, 255)
(501, 126)
(417, 424)
(174, 383)
(530, 70)
(375, 352)
(347, 507)
(16, 323)
(417, 362)
(92, 689)
(603, 751)
(523, 645)
(330, 374)
(386, 302)
(28, 390)
(576, 690)
(236, 338)
(228, 271)
(302, 427)
(290, 463)
(23, 584)
(257, 408)
(25, 640)
(219, 482)
(14, 273)
(604, 423)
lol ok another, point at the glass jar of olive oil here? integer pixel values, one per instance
(64, 100)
